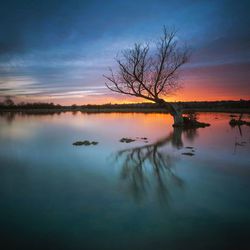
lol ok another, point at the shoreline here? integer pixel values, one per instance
(242, 106)
(119, 110)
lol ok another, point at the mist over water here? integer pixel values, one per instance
(166, 189)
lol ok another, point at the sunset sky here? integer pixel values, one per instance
(58, 50)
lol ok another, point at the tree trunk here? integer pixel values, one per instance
(178, 119)
(176, 112)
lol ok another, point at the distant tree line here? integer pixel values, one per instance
(186, 105)
(218, 104)
(9, 104)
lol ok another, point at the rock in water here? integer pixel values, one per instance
(84, 143)
(188, 153)
(126, 140)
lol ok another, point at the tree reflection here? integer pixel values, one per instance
(153, 165)
(8, 116)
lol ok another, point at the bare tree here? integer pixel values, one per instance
(8, 101)
(151, 73)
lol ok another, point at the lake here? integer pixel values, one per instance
(167, 189)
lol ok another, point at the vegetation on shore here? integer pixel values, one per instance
(218, 106)
(238, 122)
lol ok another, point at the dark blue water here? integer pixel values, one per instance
(145, 194)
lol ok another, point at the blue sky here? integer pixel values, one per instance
(59, 50)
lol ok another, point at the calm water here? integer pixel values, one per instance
(140, 195)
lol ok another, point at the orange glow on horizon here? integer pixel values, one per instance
(191, 92)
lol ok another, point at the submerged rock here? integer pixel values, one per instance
(84, 143)
(188, 153)
(127, 140)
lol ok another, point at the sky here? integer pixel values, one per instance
(58, 50)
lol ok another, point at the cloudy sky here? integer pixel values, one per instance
(58, 50)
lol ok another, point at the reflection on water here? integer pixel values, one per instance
(135, 162)
(8, 116)
(57, 196)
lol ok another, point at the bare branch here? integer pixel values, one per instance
(149, 74)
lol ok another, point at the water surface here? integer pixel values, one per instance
(169, 189)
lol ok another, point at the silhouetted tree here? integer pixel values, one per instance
(151, 74)
(8, 102)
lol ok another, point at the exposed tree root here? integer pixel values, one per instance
(191, 123)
